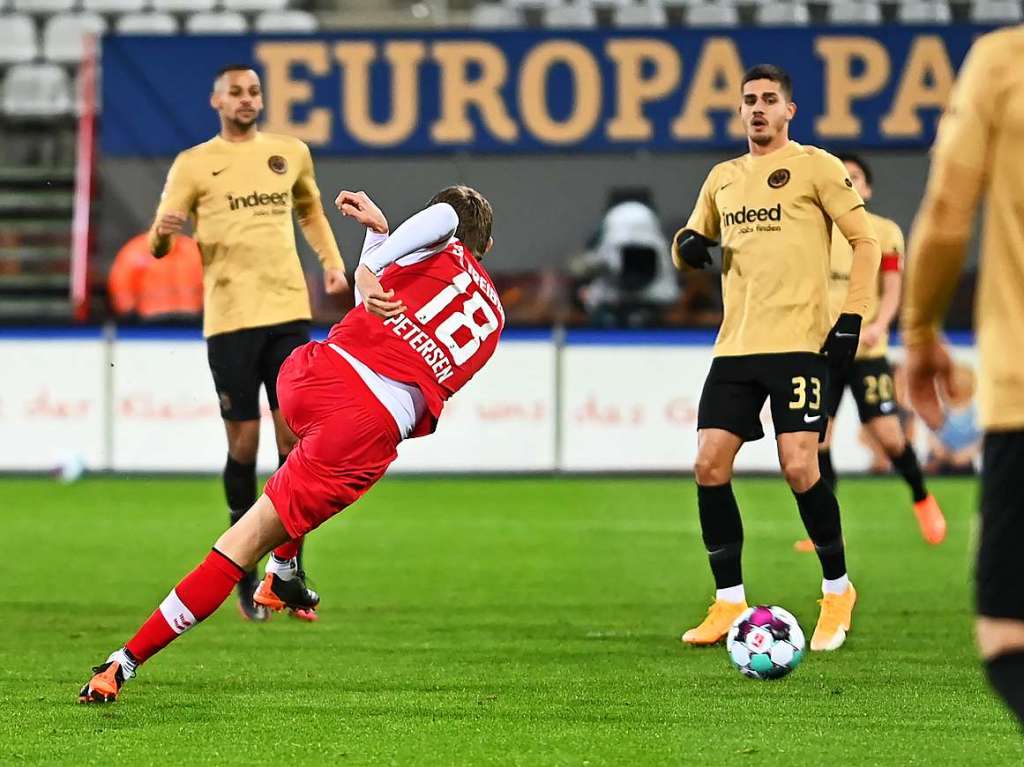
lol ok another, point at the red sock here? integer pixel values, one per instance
(289, 550)
(200, 593)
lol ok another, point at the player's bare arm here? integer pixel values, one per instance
(166, 226)
(377, 301)
(360, 208)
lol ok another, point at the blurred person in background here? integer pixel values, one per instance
(241, 189)
(979, 153)
(626, 278)
(157, 289)
(956, 446)
(869, 378)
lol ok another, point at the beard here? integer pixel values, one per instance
(761, 139)
(243, 123)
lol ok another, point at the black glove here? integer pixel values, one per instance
(841, 343)
(693, 249)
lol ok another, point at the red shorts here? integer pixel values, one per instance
(347, 438)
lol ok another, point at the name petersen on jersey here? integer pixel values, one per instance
(460, 335)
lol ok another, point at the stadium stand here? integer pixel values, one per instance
(646, 15)
(64, 35)
(924, 12)
(495, 16)
(855, 12)
(216, 24)
(996, 12)
(285, 21)
(576, 16)
(20, 44)
(147, 24)
(713, 14)
(783, 14)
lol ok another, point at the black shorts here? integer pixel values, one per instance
(244, 359)
(870, 381)
(736, 388)
(999, 579)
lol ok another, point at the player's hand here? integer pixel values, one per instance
(691, 249)
(170, 223)
(929, 373)
(377, 301)
(335, 282)
(872, 334)
(359, 207)
(841, 343)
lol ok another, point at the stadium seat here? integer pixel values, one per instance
(996, 12)
(255, 6)
(846, 12)
(183, 6)
(147, 24)
(576, 16)
(286, 21)
(712, 15)
(216, 24)
(44, 6)
(65, 34)
(610, 3)
(495, 16)
(20, 42)
(114, 6)
(924, 12)
(533, 4)
(646, 15)
(36, 90)
(784, 14)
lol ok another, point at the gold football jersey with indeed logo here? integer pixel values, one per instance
(773, 216)
(241, 196)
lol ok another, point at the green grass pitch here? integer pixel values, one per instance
(490, 621)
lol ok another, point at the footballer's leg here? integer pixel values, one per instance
(194, 599)
(836, 386)
(728, 414)
(999, 583)
(873, 391)
(234, 364)
(819, 511)
(797, 383)
(285, 562)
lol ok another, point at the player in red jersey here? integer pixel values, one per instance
(429, 320)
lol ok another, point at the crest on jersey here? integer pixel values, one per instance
(779, 178)
(849, 183)
(277, 164)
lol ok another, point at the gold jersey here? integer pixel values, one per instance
(773, 216)
(890, 239)
(240, 196)
(979, 152)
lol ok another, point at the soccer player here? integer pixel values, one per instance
(870, 376)
(426, 325)
(772, 210)
(978, 153)
(240, 188)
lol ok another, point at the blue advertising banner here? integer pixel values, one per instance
(531, 91)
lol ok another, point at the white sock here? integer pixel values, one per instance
(836, 586)
(285, 569)
(128, 666)
(732, 594)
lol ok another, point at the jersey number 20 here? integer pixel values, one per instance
(466, 318)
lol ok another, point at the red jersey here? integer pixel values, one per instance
(450, 330)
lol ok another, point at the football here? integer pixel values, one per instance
(765, 642)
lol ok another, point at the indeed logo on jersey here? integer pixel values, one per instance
(259, 199)
(752, 219)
